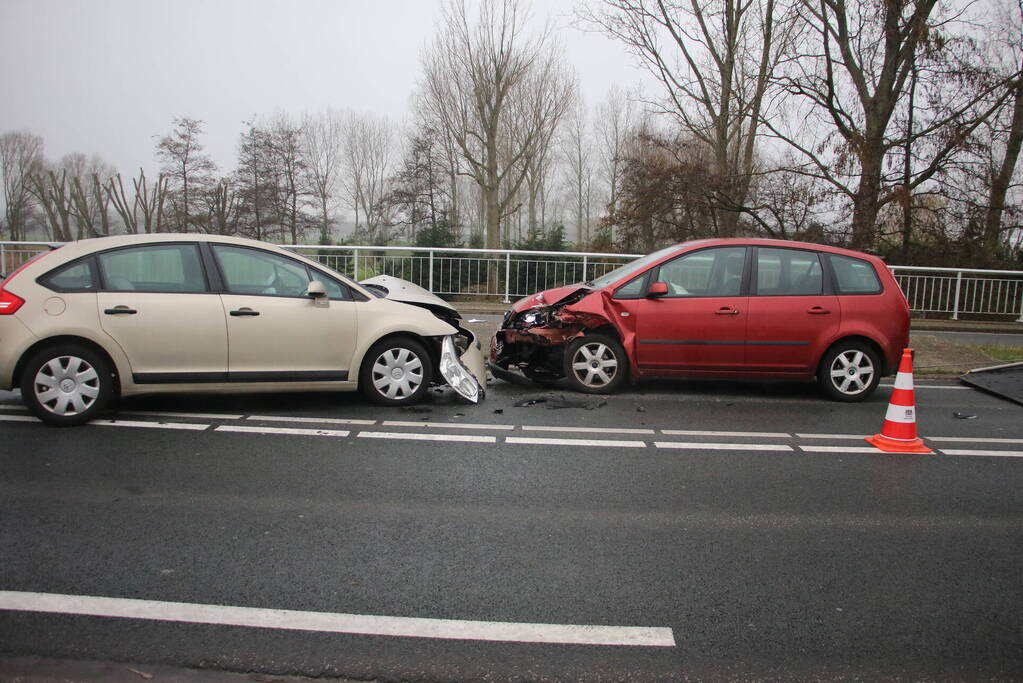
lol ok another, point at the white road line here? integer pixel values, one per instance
(723, 446)
(585, 430)
(150, 425)
(971, 439)
(831, 436)
(411, 436)
(931, 386)
(1004, 454)
(686, 432)
(442, 425)
(18, 418)
(194, 416)
(281, 430)
(839, 449)
(539, 441)
(328, 622)
(11, 406)
(324, 420)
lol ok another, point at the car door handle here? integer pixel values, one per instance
(817, 310)
(120, 310)
(727, 310)
(244, 311)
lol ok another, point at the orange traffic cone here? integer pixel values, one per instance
(898, 433)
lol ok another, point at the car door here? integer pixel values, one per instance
(276, 332)
(793, 315)
(156, 303)
(699, 325)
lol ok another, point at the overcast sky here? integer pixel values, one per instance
(107, 76)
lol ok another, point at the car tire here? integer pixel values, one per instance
(66, 385)
(396, 372)
(849, 372)
(595, 364)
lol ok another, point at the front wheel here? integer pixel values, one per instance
(595, 364)
(849, 372)
(67, 385)
(396, 372)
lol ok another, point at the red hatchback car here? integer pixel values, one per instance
(717, 308)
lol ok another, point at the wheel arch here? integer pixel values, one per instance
(66, 339)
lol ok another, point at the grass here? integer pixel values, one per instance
(1007, 353)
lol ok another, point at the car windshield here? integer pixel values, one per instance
(631, 268)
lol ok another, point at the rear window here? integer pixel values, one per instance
(74, 277)
(854, 276)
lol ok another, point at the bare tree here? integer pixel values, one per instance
(714, 61)
(577, 151)
(188, 170)
(288, 171)
(21, 155)
(51, 189)
(615, 123)
(256, 185)
(144, 212)
(497, 93)
(90, 204)
(369, 156)
(322, 140)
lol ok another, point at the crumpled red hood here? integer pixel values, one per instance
(547, 297)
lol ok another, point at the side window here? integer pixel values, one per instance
(253, 271)
(854, 276)
(76, 277)
(788, 272)
(631, 290)
(708, 272)
(153, 268)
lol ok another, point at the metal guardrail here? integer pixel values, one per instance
(508, 274)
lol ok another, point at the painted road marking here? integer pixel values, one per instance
(151, 425)
(723, 446)
(18, 418)
(281, 430)
(831, 436)
(971, 439)
(332, 622)
(324, 420)
(193, 416)
(931, 386)
(452, 425)
(594, 430)
(540, 441)
(765, 435)
(1004, 454)
(412, 436)
(839, 449)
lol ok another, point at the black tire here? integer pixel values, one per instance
(67, 385)
(595, 364)
(849, 372)
(378, 382)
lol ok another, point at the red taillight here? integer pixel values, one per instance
(9, 303)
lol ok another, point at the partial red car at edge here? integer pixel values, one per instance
(716, 308)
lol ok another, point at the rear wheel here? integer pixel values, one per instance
(849, 372)
(66, 385)
(396, 372)
(595, 364)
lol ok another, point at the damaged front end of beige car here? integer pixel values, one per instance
(460, 361)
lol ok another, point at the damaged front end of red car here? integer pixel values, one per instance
(536, 334)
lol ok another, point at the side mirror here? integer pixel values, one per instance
(657, 289)
(316, 290)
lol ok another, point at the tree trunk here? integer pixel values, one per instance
(1001, 181)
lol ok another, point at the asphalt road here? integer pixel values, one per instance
(738, 531)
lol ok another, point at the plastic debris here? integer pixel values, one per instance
(964, 416)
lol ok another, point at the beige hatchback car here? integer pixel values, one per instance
(149, 314)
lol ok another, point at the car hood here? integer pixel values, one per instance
(549, 297)
(407, 292)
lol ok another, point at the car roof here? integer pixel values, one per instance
(767, 242)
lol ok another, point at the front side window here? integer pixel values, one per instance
(788, 272)
(854, 276)
(708, 272)
(252, 271)
(153, 268)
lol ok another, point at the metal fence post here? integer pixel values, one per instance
(3, 259)
(431, 271)
(585, 260)
(1020, 290)
(355, 267)
(959, 283)
(507, 277)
